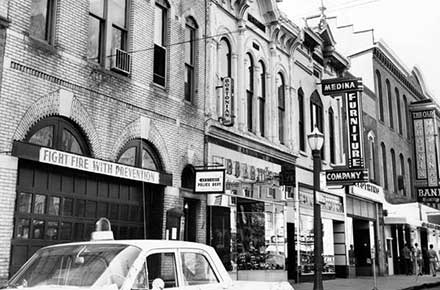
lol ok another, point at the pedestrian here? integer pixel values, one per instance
(433, 259)
(351, 257)
(418, 259)
(406, 259)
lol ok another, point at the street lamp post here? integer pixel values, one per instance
(316, 140)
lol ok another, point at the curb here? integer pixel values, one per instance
(422, 286)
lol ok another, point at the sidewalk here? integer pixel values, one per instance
(396, 282)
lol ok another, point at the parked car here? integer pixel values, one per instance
(104, 263)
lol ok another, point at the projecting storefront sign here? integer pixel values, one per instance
(228, 95)
(428, 194)
(345, 176)
(210, 181)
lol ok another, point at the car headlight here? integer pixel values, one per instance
(282, 286)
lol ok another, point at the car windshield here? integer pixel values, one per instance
(97, 265)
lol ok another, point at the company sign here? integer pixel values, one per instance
(228, 97)
(341, 85)
(345, 176)
(428, 194)
(354, 128)
(210, 181)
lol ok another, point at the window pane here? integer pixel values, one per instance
(158, 25)
(80, 208)
(66, 231)
(162, 265)
(53, 206)
(52, 231)
(39, 18)
(118, 39)
(40, 204)
(197, 270)
(43, 137)
(22, 230)
(128, 157)
(78, 232)
(24, 202)
(117, 12)
(68, 207)
(94, 46)
(159, 65)
(147, 161)
(91, 209)
(188, 82)
(38, 229)
(189, 44)
(69, 143)
(224, 59)
(97, 7)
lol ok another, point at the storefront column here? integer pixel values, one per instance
(8, 177)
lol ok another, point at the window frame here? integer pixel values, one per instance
(262, 99)
(399, 111)
(191, 28)
(380, 95)
(50, 25)
(384, 165)
(331, 124)
(159, 78)
(140, 145)
(390, 103)
(250, 91)
(301, 127)
(281, 108)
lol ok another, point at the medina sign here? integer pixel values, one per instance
(345, 176)
(341, 85)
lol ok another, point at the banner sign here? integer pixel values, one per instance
(425, 146)
(354, 127)
(210, 181)
(345, 176)
(228, 97)
(428, 194)
(84, 163)
(338, 86)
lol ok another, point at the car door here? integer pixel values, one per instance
(198, 271)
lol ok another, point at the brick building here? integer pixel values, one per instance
(102, 115)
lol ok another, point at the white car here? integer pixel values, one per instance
(130, 264)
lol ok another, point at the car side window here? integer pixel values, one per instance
(197, 270)
(141, 279)
(163, 266)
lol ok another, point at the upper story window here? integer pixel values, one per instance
(262, 97)
(281, 107)
(399, 111)
(190, 55)
(316, 114)
(141, 154)
(224, 58)
(42, 20)
(301, 128)
(107, 31)
(371, 157)
(390, 103)
(402, 173)
(331, 124)
(410, 177)
(380, 94)
(249, 90)
(384, 166)
(58, 133)
(160, 42)
(394, 169)
(405, 116)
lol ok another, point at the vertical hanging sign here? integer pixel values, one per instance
(228, 96)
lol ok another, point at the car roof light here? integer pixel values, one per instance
(103, 230)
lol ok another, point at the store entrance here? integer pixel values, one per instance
(291, 252)
(361, 240)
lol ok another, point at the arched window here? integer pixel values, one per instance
(380, 94)
(58, 133)
(331, 124)
(281, 106)
(410, 177)
(384, 166)
(249, 90)
(301, 128)
(371, 157)
(390, 103)
(394, 169)
(405, 115)
(262, 97)
(190, 55)
(188, 177)
(402, 172)
(224, 58)
(149, 159)
(316, 114)
(399, 110)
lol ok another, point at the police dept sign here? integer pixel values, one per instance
(210, 181)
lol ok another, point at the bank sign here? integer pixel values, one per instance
(345, 176)
(210, 181)
(428, 194)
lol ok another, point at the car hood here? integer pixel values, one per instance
(258, 285)
(54, 287)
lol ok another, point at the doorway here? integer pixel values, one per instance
(291, 253)
(190, 213)
(361, 240)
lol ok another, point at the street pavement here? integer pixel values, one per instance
(396, 282)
